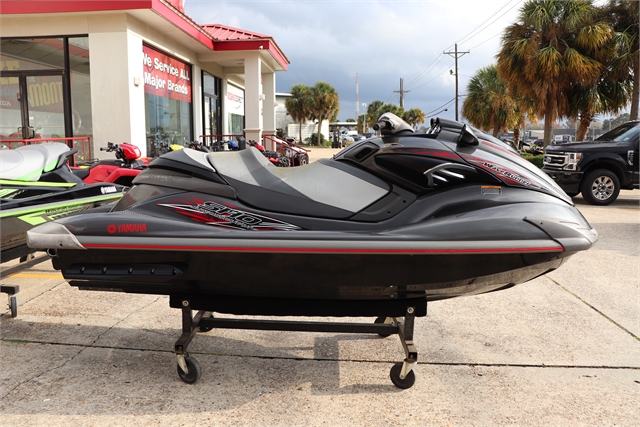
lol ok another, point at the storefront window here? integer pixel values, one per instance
(40, 97)
(211, 90)
(80, 86)
(235, 109)
(167, 87)
(31, 54)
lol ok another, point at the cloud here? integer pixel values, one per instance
(382, 41)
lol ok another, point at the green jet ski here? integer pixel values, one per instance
(37, 186)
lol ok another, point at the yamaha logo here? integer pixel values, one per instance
(108, 190)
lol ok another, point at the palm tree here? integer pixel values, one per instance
(623, 16)
(414, 116)
(543, 54)
(299, 104)
(325, 104)
(488, 104)
(611, 92)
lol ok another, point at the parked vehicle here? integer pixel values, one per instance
(378, 230)
(126, 166)
(277, 159)
(37, 186)
(597, 169)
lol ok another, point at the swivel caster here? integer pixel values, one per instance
(192, 373)
(403, 383)
(13, 306)
(384, 320)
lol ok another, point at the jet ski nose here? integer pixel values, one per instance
(52, 235)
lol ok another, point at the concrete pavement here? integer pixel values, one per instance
(562, 350)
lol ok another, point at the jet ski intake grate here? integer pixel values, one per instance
(147, 272)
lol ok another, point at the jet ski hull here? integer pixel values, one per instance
(463, 254)
(22, 214)
(306, 276)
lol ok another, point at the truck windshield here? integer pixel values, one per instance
(622, 133)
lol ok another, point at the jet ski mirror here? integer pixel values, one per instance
(390, 124)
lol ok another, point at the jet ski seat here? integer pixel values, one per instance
(21, 165)
(317, 189)
(52, 152)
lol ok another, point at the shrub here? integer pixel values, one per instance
(536, 159)
(313, 138)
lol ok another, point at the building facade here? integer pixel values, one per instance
(137, 71)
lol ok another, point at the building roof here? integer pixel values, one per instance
(213, 37)
(225, 33)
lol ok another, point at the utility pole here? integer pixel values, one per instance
(455, 54)
(357, 100)
(401, 92)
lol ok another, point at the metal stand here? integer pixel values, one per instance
(13, 301)
(402, 374)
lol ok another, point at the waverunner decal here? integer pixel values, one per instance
(507, 175)
(213, 213)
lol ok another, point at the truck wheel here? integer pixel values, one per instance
(600, 187)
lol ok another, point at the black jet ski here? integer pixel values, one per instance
(37, 186)
(386, 225)
(443, 214)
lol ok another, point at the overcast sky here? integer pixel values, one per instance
(382, 41)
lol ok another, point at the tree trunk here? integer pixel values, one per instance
(583, 128)
(516, 137)
(635, 96)
(318, 136)
(548, 120)
(300, 133)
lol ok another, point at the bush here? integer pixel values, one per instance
(313, 138)
(536, 159)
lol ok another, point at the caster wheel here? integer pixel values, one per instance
(405, 383)
(380, 320)
(13, 306)
(194, 371)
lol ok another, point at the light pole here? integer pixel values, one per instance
(364, 126)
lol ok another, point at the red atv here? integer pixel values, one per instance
(122, 170)
(274, 157)
(296, 154)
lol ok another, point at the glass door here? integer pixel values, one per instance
(10, 108)
(45, 106)
(33, 106)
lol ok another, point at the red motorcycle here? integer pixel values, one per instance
(122, 170)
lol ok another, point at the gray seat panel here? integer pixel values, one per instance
(316, 181)
(21, 165)
(51, 152)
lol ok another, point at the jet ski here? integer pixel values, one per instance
(384, 226)
(443, 214)
(37, 186)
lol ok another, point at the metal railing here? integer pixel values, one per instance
(216, 142)
(80, 143)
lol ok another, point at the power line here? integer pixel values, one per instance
(463, 39)
(442, 106)
(425, 71)
(426, 83)
(489, 23)
(492, 37)
(421, 74)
